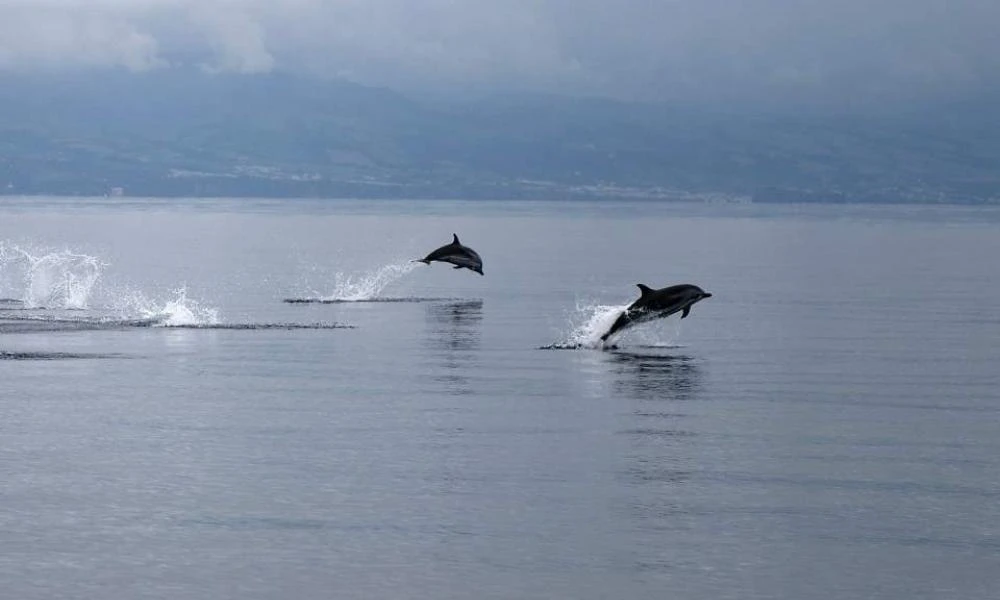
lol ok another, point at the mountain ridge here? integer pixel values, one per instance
(188, 133)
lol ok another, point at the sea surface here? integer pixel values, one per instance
(255, 399)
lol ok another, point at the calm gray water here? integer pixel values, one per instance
(826, 426)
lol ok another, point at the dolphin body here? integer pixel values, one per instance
(455, 253)
(657, 304)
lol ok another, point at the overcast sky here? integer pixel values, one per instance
(690, 50)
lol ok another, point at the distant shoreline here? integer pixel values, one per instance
(693, 198)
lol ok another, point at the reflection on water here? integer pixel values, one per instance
(455, 326)
(454, 333)
(656, 390)
(652, 376)
(656, 387)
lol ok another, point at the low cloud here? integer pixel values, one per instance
(235, 38)
(59, 37)
(770, 51)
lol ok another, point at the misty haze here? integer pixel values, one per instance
(525, 299)
(772, 101)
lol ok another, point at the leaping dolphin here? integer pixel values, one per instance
(657, 304)
(455, 253)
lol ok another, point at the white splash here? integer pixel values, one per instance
(367, 286)
(596, 321)
(172, 312)
(53, 279)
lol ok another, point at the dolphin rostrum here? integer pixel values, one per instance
(455, 253)
(657, 304)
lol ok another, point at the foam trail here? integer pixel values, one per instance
(263, 326)
(5, 355)
(53, 279)
(367, 286)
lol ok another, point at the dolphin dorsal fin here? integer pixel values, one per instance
(455, 239)
(644, 290)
